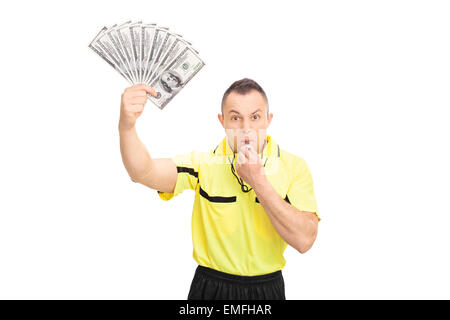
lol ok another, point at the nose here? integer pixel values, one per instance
(246, 126)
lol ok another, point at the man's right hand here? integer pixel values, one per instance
(159, 174)
(132, 104)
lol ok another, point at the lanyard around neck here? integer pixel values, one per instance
(244, 187)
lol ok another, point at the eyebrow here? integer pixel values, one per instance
(239, 113)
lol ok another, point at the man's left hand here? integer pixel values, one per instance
(249, 166)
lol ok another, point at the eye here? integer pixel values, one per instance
(256, 115)
(234, 117)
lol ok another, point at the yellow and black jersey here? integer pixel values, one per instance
(230, 230)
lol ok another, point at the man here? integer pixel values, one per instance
(252, 198)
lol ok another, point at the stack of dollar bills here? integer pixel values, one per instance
(150, 54)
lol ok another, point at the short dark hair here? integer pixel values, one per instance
(244, 86)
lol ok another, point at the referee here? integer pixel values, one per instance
(252, 198)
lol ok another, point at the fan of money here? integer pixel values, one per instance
(150, 54)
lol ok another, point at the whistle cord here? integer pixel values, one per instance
(244, 187)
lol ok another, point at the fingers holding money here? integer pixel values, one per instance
(137, 94)
(145, 89)
(140, 90)
(132, 104)
(138, 100)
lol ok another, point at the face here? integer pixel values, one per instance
(170, 80)
(245, 119)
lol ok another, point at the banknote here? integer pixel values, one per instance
(153, 36)
(106, 56)
(120, 52)
(147, 34)
(108, 46)
(151, 54)
(160, 35)
(175, 77)
(177, 46)
(124, 39)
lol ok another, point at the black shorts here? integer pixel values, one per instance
(211, 284)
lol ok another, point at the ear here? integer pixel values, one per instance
(269, 118)
(220, 117)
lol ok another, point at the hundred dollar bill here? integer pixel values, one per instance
(147, 35)
(159, 34)
(158, 40)
(120, 52)
(135, 33)
(123, 38)
(177, 44)
(177, 74)
(147, 53)
(100, 50)
(108, 46)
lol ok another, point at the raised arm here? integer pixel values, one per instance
(160, 173)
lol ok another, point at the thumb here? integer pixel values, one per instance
(147, 89)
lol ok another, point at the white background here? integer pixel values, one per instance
(359, 89)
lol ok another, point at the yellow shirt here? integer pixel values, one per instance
(231, 232)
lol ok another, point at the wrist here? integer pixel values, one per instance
(260, 182)
(124, 128)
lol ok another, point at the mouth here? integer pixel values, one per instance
(247, 140)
